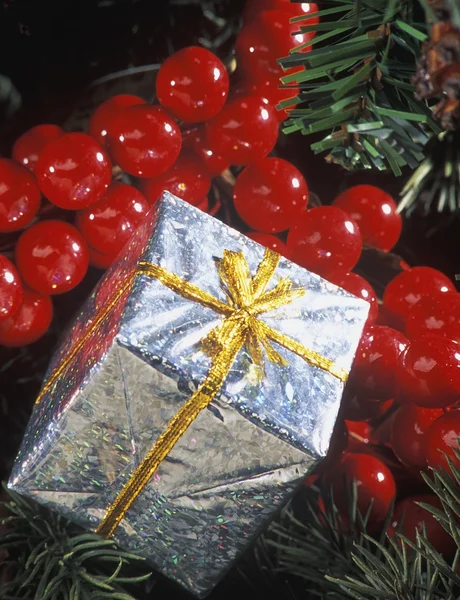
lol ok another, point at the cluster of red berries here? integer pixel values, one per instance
(196, 131)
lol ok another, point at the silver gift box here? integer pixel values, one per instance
(244, 455)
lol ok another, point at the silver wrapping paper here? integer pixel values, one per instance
(242, 457)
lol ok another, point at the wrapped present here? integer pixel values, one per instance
(197, 386)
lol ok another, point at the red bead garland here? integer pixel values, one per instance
(376, 360)
(108, 224)
(374, 211)
(270, 195)
(325, 241)
(144, 140)
(429, 372)
(10, 289)
(19, 196)
(407, 288)
(52, 257)
(441, 439)
(29, 323)
(188, 179)
(73, 171)
(192, 84)
(27, 148)
(244, 132)
(100, 123)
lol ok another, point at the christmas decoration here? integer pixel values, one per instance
(287, 427)
(19, 196)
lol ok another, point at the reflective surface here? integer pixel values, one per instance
(240, 459)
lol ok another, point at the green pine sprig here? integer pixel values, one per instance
(355, 85)
(339, 560)
(52, 559)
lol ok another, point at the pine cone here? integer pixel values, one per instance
(438, 73)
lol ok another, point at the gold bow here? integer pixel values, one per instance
(247, 298)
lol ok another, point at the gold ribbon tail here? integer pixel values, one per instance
(176, 427)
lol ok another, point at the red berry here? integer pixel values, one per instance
(376, 360)
(192, 84)
(429, 372)
(28, 146)
(144, 140)
(100, 123)
(325, 240)
(441, 439)
(244, 132)
(271, 90)
(264, 40)
(360, 408)
(73, 171)
(19, 196)
(269, 241)
(409, 517)
(29, 323)
(52, 257)
(439, 314)
(99, 260)
(295, 9)
(407, 288)
(213, 163)
(187, 179)
(10, 289)
(374, 481)
(374, 211)
(270, 195)
(359, 435)
(108, 224)
(359, 287)
(408, 428)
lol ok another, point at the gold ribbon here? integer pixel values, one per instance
(247, 298)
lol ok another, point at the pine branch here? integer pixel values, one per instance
(355, 86)
(52, 559)
(343, 560)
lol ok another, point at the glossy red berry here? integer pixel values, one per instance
(407, 288)
(269, 241)
(374, 211)
(10, 289)
(192, 84)
(29, 323)
(213, 162)
(361, 408)
(108, 224)
(325, 240)
(271, 90)
(374, 481)
(409, 518)
(359, 287)
(374, 369)
(252, 8)
(359, 435)
(439, 314)
(265, 39)
(441, 439)
(270, 195)
(100, 123)
(187, 179)
(100, 260)
(19, 196)
(28, 146)
(408, 429)
(429, 371)
(244, 132)
(144, 140)
(52, 257)
(73, 171)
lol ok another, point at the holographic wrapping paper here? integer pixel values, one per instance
(241, 459)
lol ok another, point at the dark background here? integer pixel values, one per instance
(50, 53)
